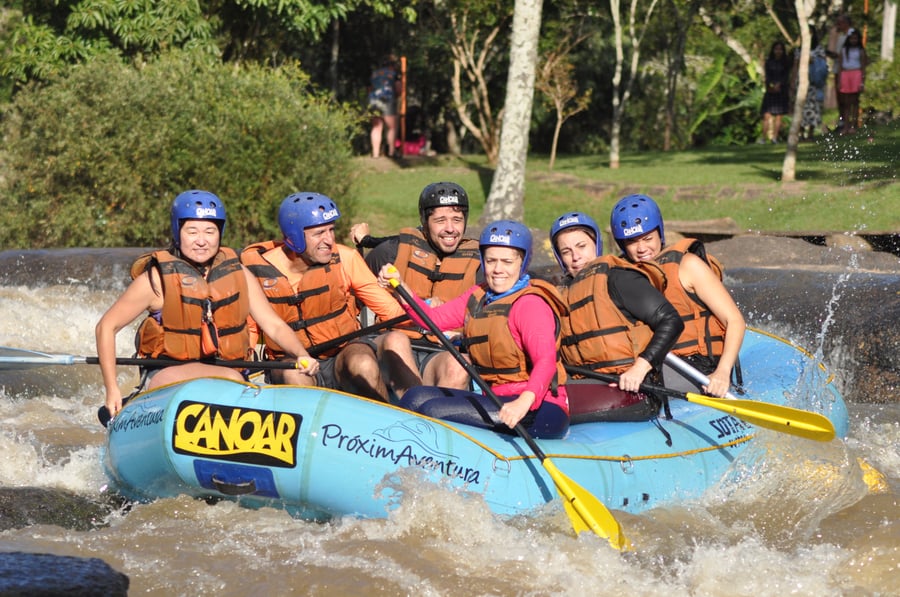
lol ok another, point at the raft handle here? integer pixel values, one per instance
(230, 488)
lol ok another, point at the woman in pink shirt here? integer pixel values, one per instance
(511, 332)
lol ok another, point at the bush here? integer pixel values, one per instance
(95, 158)
(882, 93)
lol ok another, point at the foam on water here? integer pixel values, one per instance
(793, 516)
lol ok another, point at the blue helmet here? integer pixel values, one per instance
(506, 233)
(574, 219)
(633, 216)
(196, 205)
(301, 211)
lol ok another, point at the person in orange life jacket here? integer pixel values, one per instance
(438, 263)
(212, 323)
(314, 283)
(511, 329)
(619, 322)
(714, 327)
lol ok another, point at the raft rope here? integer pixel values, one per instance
(622, 459)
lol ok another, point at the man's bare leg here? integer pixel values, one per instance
(443, 370)
(395, 351)
(356, 370)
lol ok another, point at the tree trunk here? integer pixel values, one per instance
(616, 126)
(335, 56)
(789, 168)
(507, 196)
(620, 101)
(888, 27)
(556, 129)
(676, 64)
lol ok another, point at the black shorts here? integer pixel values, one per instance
(424, 352)
(325, 376)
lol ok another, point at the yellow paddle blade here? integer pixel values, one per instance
(794, 421)
(585, 511)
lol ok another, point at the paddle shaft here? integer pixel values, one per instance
(470, 369)
(689, 371)
(14, 358)
(777, 417)
(585, 511)
(646, 387)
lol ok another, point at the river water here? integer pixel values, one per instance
(800, 521)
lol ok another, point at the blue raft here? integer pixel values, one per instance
(321, 453)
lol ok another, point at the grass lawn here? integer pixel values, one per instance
(843, 184)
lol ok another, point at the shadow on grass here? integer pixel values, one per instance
(869, 156)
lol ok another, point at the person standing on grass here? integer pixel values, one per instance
(776, 100)
(384, 87)
(837, 37)
(852, 79)
(811, 119)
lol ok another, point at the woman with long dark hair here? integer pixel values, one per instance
(776, 101)
(852, 79)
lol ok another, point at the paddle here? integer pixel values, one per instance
(584, 510)
(776, 417)
(689, 371)
(16, 358)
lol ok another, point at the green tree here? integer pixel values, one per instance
(94, 164)
(54, 35)
(556, 83)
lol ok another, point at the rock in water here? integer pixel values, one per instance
(43, 575)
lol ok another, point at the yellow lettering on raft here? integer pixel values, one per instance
(198, 430)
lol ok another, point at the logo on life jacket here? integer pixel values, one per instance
(638, 229)
(500, 238)
(188, 281)
(206, 212)
(246, 435)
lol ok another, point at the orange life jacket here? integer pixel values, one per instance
(188, 299)
(703, 332)
(427, 276)
(596, 334)
(321, 310)
(490, 343)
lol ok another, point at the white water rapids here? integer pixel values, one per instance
(794, 517)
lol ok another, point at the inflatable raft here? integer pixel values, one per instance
(321, 453)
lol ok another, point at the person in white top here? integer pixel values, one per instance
(836, 39)
(852, 79)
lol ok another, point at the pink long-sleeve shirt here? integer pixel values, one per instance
(532, 324)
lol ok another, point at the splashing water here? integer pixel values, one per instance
(790, 521)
